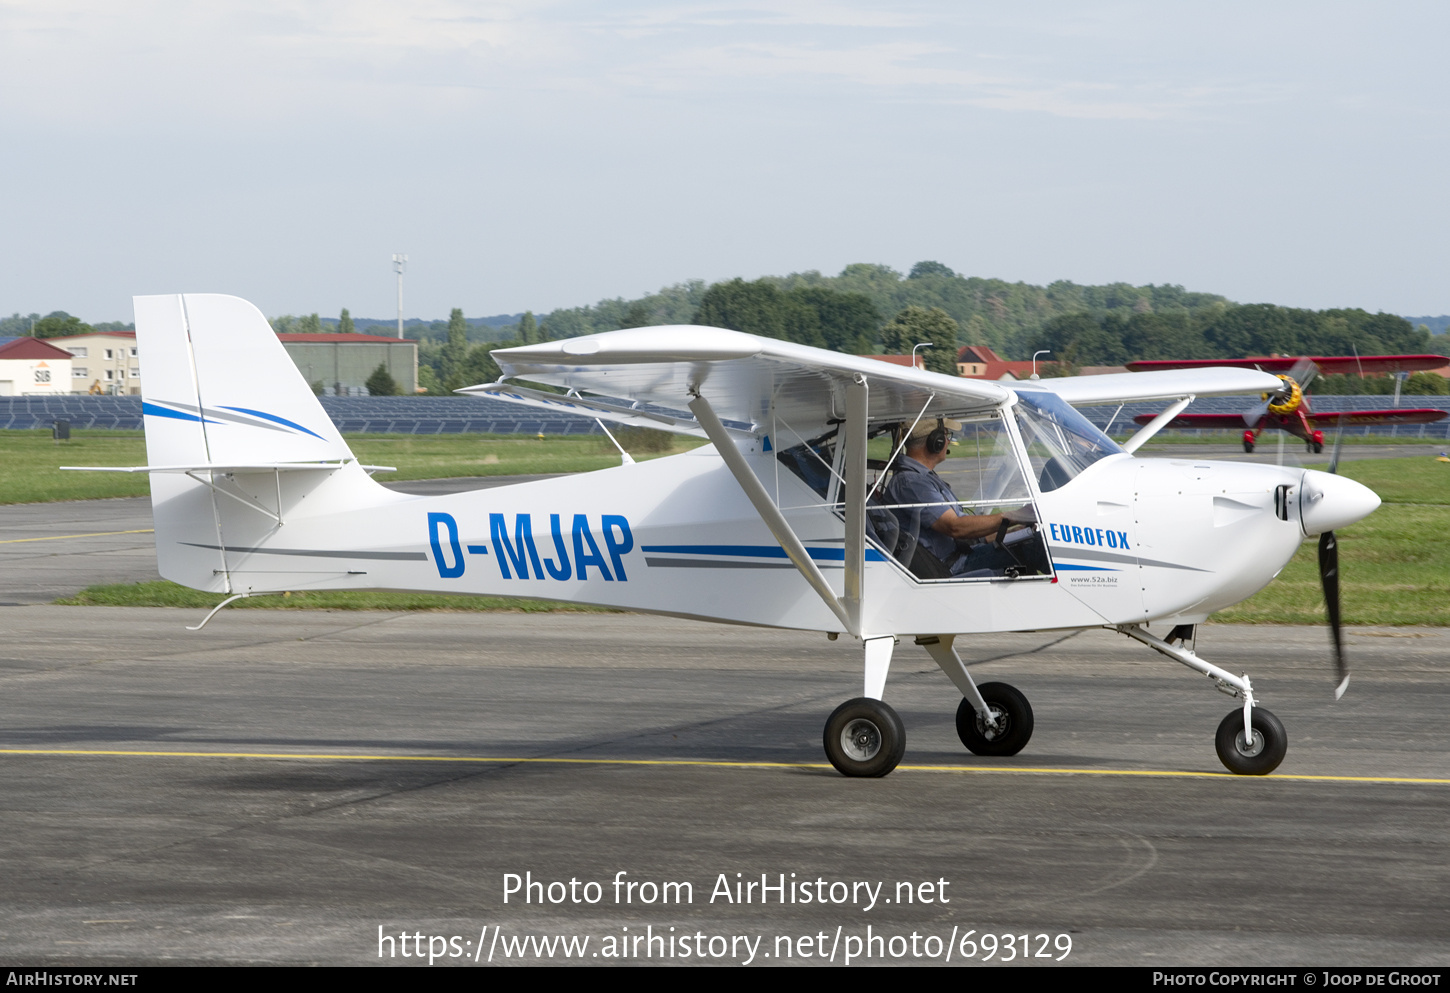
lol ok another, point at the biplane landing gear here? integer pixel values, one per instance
(864, 737)
(1251, 758)
(1012, 721)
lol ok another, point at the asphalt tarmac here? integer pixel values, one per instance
(281, 785)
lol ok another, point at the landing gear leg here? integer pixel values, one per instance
(864, 736)
(1250, 741)
(993, 719)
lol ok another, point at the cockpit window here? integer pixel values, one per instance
(982, 475)
(1060, 442)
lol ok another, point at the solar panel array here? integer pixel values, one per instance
(477, 415)
(352, 415)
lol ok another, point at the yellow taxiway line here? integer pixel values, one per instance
(715, 763)
(93, 534)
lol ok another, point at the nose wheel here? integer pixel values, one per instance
(864, 737)
(1258, 756)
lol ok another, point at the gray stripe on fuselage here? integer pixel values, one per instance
(319, 553)
(718, 564)
(1072, 552)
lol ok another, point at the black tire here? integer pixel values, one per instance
(1014, 715)
(1319, 448)
(1249, 447)
(1271, 742)
(864, 737)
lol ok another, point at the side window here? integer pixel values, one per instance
(981, 475)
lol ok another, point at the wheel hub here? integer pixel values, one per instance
(1002, 723)
(861, 740)
(1249, 749)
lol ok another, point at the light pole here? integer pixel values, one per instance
(1040, 351)
(919, 344)
(400, 262)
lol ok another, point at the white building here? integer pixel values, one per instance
(102, 362)
(33, 367)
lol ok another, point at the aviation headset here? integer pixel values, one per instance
(936, 442)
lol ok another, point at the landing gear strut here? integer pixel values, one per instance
(1250, 741)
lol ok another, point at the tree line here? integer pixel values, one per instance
(869, 309)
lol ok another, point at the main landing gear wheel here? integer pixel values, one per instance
(864, 737)
(1251, 758)
(1249, 447)
(1014, 721)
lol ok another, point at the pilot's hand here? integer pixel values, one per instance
(1022, 515)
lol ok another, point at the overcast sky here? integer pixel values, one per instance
(537, 155)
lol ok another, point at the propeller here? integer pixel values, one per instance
(1302, 374)
(1329, 580)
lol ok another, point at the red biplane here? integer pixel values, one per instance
(1287, 409)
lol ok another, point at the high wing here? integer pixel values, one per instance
(1328, 364)
(747, 379)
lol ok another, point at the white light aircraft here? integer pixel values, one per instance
(783, 520)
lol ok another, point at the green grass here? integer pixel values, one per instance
(32, 460)
(165, 594)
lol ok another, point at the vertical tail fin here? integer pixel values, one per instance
(220, 391)
(220, 388)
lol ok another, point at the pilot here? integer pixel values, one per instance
(953, 538)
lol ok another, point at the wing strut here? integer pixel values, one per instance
(1155, 425)
(854, 469)
(770, 513)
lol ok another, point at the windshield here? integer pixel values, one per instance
(1060, 442)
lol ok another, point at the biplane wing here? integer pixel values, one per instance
(1235, 422)
(1328, 364)
(1415, 415)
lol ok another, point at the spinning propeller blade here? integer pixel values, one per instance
(1303, 374)
(1329, 579)
(1334, 459)
(1254, 414)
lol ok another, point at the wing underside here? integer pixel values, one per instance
(747, 380)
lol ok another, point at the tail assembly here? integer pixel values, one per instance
(238, 446)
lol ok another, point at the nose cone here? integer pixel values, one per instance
(1328, 502)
